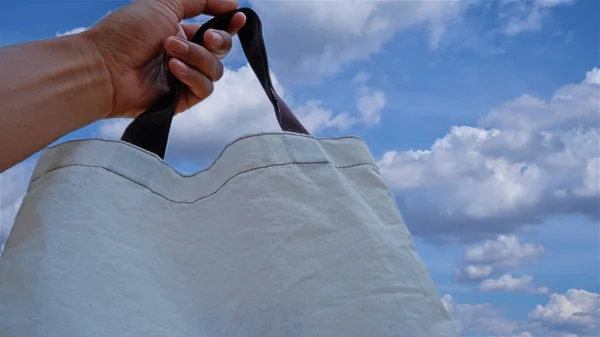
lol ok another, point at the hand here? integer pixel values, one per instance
(133, 42)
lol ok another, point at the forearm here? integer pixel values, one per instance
(48, 89)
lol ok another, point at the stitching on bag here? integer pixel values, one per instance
(161, 161)
(219, 188)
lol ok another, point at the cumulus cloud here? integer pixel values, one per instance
(527, 159)
(485, 258)
(571, 106)
(239, 106)
(474, 272)
(575, 312)
(13, 185)
(322, 37)
(508, 283)
(505, 250)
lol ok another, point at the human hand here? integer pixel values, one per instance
(134, 40)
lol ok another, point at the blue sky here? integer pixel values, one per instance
(483, 116)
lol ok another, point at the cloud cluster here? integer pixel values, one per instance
(490, 257)
(239, 106)
(527, 159)
(572, 314)
(575, 312)
(504, 251)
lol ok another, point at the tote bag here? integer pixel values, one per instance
(284, 235)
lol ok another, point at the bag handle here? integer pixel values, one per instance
(150, 130)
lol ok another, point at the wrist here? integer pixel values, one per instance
(98, 74)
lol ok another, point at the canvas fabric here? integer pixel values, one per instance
(283, 235)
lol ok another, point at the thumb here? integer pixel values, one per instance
(186, 9)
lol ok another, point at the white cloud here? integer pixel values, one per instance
(574, 313)
(506, 250)
(528, 159)
(370, 104)
(475, 272)
(72, 31)
(322, 37)
(239, 106)
(13, 185)
(507, 283)
(525, 16)
(370, 101)
(590, 186)
(571, 106)
(483, 259)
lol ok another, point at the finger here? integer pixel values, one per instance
(218, 42)
(200, 85)
(237, 22)
(195, 56)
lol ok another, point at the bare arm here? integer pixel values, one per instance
(48, 89)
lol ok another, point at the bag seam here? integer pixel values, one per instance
(163, 162)
(215, 191)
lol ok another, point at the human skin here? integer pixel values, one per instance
(114, 69)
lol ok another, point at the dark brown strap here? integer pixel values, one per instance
(150, 130)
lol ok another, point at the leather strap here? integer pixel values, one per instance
(150, 130)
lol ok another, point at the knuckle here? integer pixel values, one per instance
(206, 62)
(226, 47)
(202, 58)
(211, 66)
(227, 41)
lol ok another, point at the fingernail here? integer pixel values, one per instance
(217, 38)
(180, 47)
